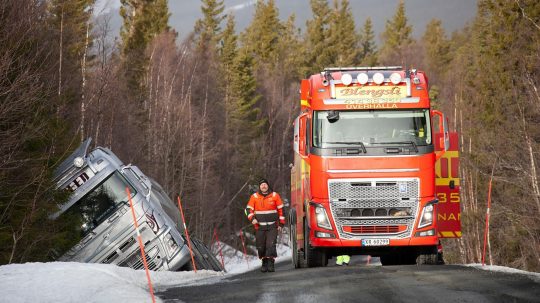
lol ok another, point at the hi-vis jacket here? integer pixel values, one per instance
(265, 211)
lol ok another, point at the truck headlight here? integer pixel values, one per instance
(170, 243)
(426, 218)
(322, 217)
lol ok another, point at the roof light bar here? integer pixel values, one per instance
(346, 79)
(378, 78)
(362, 78)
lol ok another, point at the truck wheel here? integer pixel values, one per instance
(427, 259)
(294, 245)
(314, 257)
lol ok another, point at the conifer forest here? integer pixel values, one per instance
(211, 113)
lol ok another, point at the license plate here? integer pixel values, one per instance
(375, 242)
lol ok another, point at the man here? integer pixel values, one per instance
(265, 211)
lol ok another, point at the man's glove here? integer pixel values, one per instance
(254, 221)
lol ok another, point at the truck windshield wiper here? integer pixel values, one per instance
(401, 142)
(352, 143)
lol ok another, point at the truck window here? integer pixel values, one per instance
(372, 127)
(100, 203)
(159, 195)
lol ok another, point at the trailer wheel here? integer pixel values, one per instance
(314, 257)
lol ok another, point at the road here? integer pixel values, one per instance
(361, 283)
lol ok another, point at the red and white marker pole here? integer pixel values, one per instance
(187, 235)
(141, 246)
(486, 231)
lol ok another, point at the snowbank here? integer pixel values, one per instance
(533, 275)
(80, 282)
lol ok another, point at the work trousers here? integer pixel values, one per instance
(266, 242)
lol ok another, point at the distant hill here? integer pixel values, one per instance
(454, 13)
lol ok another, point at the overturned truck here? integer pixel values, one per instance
(98, 207)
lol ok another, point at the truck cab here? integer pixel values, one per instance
(99, 209)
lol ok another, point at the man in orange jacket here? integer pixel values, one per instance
(265, 212)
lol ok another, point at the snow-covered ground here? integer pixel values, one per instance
(79, 282)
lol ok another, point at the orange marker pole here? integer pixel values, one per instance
(141, 246)
(244, 246)
(486, 231)
(187, 235)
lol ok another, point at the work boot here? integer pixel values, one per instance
(271, 265)
(264, 266)
(346, 259)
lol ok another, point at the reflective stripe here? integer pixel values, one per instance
(250, 216)
(265, 211)
(255, 195)
(282, 218)
(249, 206)
(273, 194)
(266, 223)
(280, 206)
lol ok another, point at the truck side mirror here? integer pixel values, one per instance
(444, 142)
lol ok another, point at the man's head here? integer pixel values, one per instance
(264, 187)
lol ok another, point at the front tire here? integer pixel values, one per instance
(296, 257)
(314, 257)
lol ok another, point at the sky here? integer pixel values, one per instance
(454, 13)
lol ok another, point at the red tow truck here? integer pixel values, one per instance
(375, 169)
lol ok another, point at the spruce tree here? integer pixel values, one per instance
(318, 55)
(143, 20)
(368, 49)
(262, 35)
(437, 48)
(207, 30)
(396, 38)
(343, 38)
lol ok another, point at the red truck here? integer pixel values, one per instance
(375, 169)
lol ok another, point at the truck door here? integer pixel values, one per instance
(447, 185)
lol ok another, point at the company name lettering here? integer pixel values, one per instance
(375, 93)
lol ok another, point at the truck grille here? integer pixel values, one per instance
(374, 207)
(136, 262)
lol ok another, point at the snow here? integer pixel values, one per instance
(533, 275)
(80, 282)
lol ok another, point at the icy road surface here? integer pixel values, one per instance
(362, 283)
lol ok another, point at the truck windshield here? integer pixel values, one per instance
(371, 128)
(100, 203)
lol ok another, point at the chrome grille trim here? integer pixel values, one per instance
(373, 193)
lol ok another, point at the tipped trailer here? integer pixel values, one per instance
(375, 169)
(98, 207)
